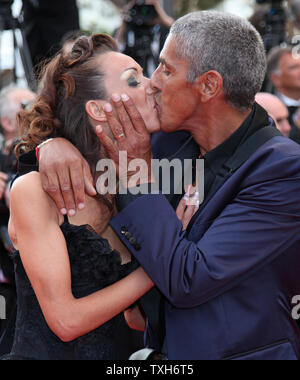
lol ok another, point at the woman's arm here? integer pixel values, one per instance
(44, 254)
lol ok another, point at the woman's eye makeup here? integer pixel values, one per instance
(133, 81)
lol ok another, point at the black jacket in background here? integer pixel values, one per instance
(46, 23)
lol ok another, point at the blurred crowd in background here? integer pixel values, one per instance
(43, 27)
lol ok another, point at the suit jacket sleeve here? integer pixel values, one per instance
(258, 225)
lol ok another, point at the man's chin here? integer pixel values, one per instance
(153, 129)
(167, 128)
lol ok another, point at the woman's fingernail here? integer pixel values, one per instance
(116, 98)
(99, 129)
(125, 97)
(64, 211)
(81, 206)
(108, 107)
(72, 213)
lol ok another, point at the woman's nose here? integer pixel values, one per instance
(149, 89)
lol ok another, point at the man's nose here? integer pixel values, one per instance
(149, 89)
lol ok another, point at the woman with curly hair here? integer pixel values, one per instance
(74, 276)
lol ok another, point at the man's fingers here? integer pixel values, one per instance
(67, 190)
(77, 179)
(88, 180)
(135, 117)
(107, 142)
(122, 114)
(50, 185)
(116, 128)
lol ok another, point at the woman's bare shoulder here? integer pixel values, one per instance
(30, 181)
(28, 192)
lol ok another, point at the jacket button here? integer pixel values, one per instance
(124, 230)
(132, 241)
(128, 235)
(137, 247)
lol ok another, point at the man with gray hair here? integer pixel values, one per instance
(284, 74)
(228, 280)
(12, 99)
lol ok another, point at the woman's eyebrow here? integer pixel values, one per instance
(131, 68)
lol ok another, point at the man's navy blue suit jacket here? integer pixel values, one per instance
(230, 280)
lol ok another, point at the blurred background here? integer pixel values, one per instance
(33, 17)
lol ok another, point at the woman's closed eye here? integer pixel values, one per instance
(133, 82)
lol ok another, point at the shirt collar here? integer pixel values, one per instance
(255, 121)
(288, 101)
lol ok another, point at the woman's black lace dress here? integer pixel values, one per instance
(94, 266)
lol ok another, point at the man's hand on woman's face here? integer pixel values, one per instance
(66, 176)
(130, 136)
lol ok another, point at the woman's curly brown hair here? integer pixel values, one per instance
(68, 82)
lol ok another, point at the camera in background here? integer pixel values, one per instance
(141, 14)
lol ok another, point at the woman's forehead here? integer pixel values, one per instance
(118, 61)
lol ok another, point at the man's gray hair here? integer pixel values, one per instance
(228, 44)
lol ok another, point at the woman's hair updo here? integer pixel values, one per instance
(67, 83)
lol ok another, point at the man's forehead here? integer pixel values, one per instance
(169, 55)
(168, 50)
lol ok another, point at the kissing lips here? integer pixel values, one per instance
(156, 106)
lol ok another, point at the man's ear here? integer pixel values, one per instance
(210, 85)
(95, 111)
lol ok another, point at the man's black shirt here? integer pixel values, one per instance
(215, 159)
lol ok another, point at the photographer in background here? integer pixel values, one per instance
(271, 21)
(12, 100)
(143, 32)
